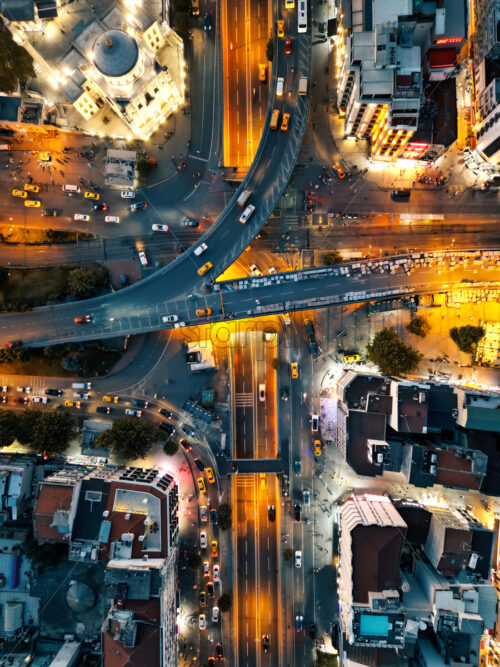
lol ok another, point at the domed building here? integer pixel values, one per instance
(117, 57)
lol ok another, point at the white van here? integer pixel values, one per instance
(280, 84)
(82, 385)
(303, 85)
(247, 213)
(200, 249)
(244, 197)
(70, 188)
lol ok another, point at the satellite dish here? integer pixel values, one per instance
(422, 625)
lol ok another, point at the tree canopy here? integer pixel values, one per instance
(17, 64)
(171, 447)
(391, 355)
(129, 437)
(270, 49)
(84, 281)
(43, 432)
(467, 337)
(419, 326)
(332, 258)
(225, 602)
(224, 517)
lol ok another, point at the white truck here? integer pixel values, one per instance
(303, 85)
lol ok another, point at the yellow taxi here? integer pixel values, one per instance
(201, 485)
(262, 73)
(195, 7)
(294, 367)
(31, 188)
(200, 312)
(289, 4)
(72, 404)
(203, 269)
(284, 122)
(339, 171)
(45, 157)
(210, 475)
(92, 195)
(351, 358)
(19, 193)
(32, 203)
(317, 448)
(110, 399)
(281, 28)
(214, 548)
(262, 480)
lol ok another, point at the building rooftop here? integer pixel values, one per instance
(128, 642)
(410, 415)
(51, 512)
(115, 53)
(361, 427)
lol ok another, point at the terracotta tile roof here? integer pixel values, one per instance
(51, 499)
(146, 652)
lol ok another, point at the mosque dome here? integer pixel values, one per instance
(115, 53)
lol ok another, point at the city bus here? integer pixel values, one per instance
(302, 16)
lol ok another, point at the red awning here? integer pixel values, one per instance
(442, 57)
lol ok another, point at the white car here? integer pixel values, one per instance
(142, 258)
(206, 569)
(200, 249)
(203, 540)
(202, 622)
(112, 218)
(280, 84)
(81, 216)
(133, 413)
(298, 558)
(216, 574)
(159, 228)
(4, 388)
(80, 394)
(271, 270)
(314, 423)
(247, 213)
(306, 496)
(215, 614)
(128, 194)
(170, 318)
(262, 392)
(203, 514)
(24, 390)
(39, 399)
(255, 271)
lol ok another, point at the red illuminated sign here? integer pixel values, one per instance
(413, 150)
(449, 40)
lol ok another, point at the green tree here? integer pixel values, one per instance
(276, 364)
(467, 337)
(419, 326)
(181, 5)
(224, 516)
(17, 64)
(84, 281)
(129, 437)
(288, 554)
(391, 355)
(270, 49)
(8, 422)
(225, 602)
(52, 432)
(26, 426)
(194, 560)
(171, 447)
(324, 659)
(332, 258)
(43, 555)
(182, 23)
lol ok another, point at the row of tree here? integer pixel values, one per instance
(43, 432)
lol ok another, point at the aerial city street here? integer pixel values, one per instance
(250, 333)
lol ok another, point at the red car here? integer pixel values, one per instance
(185, 444)
(21, 399)
(83, 319)
(288, 46)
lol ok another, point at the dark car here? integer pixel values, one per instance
(137, 206)
(184, 443)
(210, 590)
(334, 632)
(165, 426)
(271, 512)
(299, 623)
(189, 222)
(266, 643)
(203, 599)
(297, 512)
(103, 409)
(139, 403)
(166, 413)
(102, 206)
(213, 517)
(199, 465)
(53, 212)
(313, 631)
(284, 393)
(54, 392)
(187, 430)
(207, 23)
(401, 193)
(219, 652)
(297, 466)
